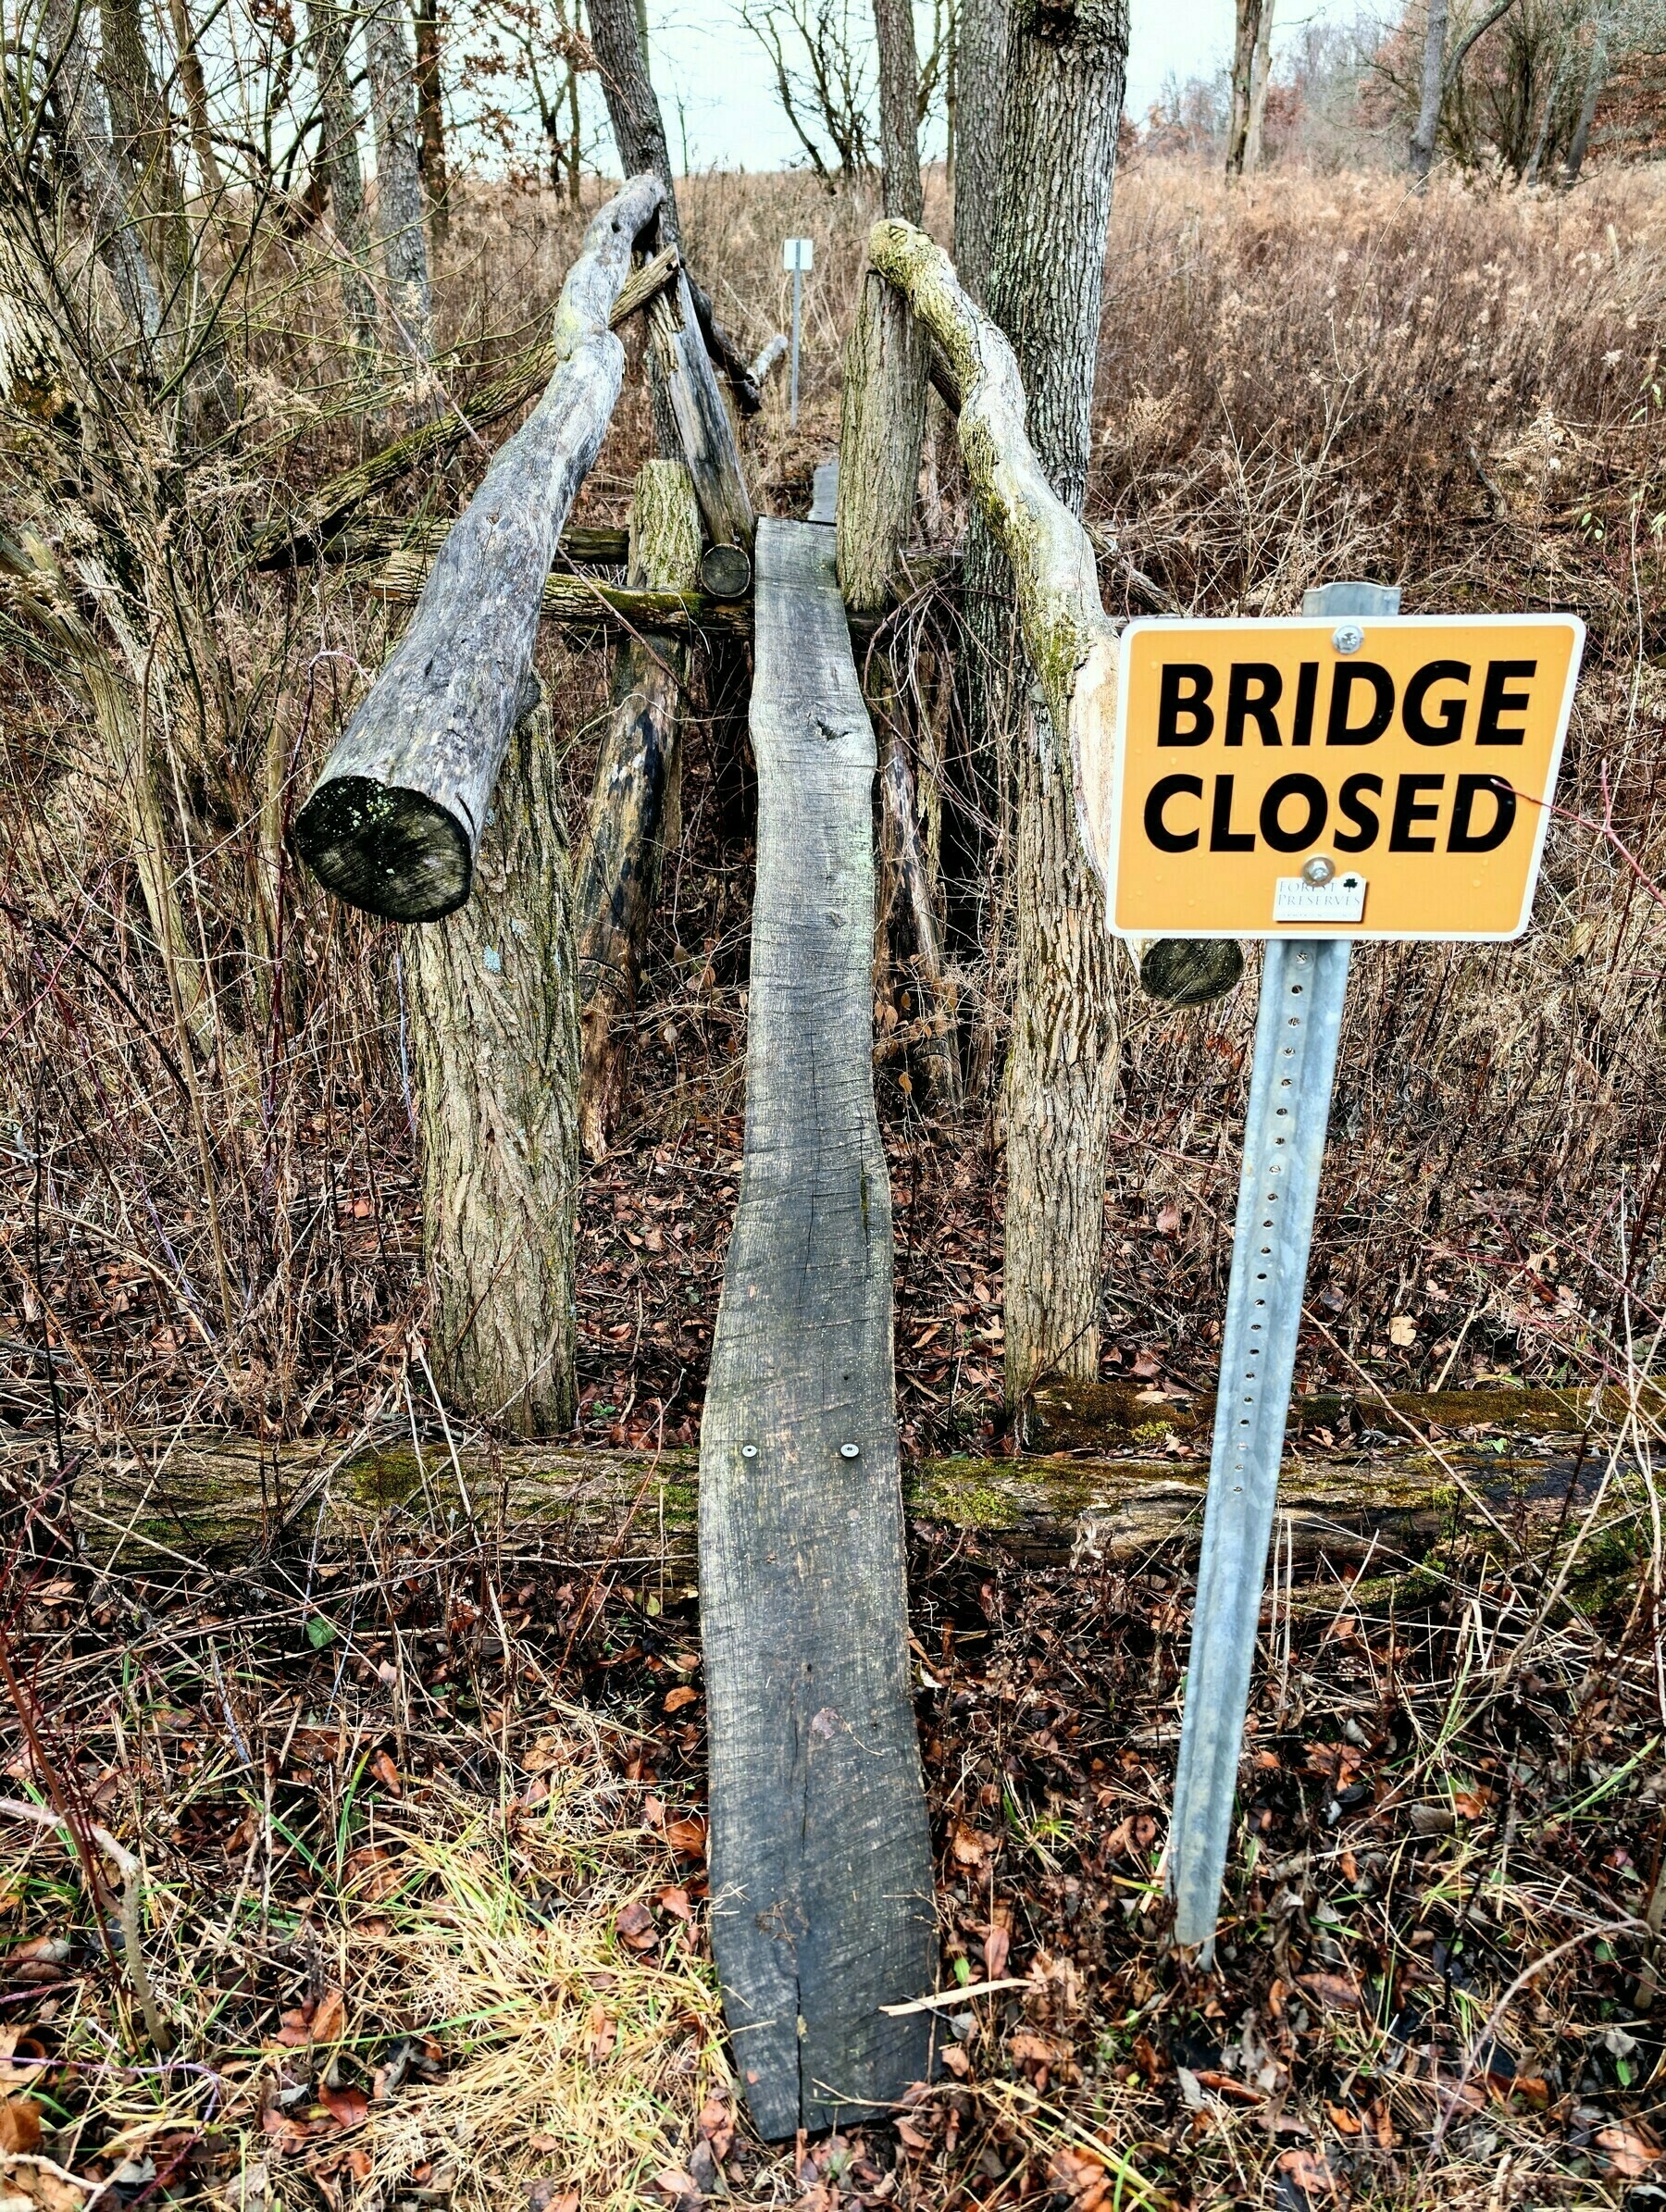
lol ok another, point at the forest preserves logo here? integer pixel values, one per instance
(1376, 777)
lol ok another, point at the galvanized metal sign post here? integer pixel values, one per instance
(1250, 850)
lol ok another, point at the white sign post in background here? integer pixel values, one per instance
(797, 255)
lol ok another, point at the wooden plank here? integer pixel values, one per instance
(821, 1864)
(824, 492)
(394, 821)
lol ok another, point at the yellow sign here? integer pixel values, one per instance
(1370, 777)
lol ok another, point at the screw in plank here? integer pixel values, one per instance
(850, 1451)
(749, 1451)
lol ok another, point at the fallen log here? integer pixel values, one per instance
(583, 603)
(306, 530)
(703, 428)
(634, 801)
(394, 821)
(198, 1497)
(1072, 642)
(585, 544)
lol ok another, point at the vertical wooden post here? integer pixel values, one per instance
(493, 1011)
(882, 426)
(634, 799)
(822, 1905)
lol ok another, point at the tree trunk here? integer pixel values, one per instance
(1595, 78)
(1246, 39)
(899, 108)
(399, 187)
(395, 819)
(1433, 85)
(1260, 75)
(820, 1858)
(430, 116)
(342, 178)
(979, 120)
(1046, 288)
(495, 1019)
(142, 138)
(635, 800)
(86, 135)
(197, 101)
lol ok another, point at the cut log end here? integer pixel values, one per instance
(393, 852)
(1191, 970)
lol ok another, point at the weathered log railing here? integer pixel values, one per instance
(1072, 641)
(394, 821)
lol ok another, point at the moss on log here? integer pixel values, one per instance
(202, 1496)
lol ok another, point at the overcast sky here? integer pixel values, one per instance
(718, 94)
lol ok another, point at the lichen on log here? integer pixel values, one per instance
(395, 819)
(1071, 640)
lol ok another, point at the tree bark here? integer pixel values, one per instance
(431, 117)
(341, 174)
(1595, 78)
(494, 1031)
(221, 1498)
(619, 39)
(980, 122)
(1261, 76)
(1433, 85)
(703, 431)
(399, 187)
(197, 101)
(1045, 288)
(898, 109)
(1245, 42)
(395, 819)
(820, 1860)
(882, 422)
(635, 800)
(143, 140)
(86, 132)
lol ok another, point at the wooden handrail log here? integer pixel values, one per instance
(582, 604)
(1071, 640)
(306, 533)
(394, 820)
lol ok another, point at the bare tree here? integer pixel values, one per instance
(818, 51)
(980, 110)
(1245, 42)
(430, 116)
(340, 172)
(1596, 70)
(195, 87)
(1439, 75)
(399, 209)
(1261, 76)
(1046, 291)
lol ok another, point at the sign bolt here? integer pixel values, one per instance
(1348, 636)
(1319, 869)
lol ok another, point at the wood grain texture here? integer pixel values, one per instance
(704, 428)
(882, 422)
(203, 1496)
(582, 602)
(394, 821)
(635, 800)
(821, 1868)
(494, 1035)
(1070, 640)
